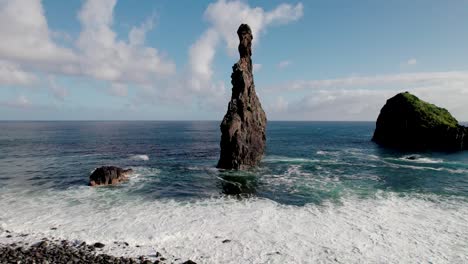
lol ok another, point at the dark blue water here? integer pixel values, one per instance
(305, 162)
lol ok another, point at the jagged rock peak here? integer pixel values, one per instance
(243, 138)
(245, 41)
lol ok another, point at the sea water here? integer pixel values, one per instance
(323, 193)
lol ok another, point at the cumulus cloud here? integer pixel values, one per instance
(224, 18)
(26, 38)
(28, 43)
(107, 58)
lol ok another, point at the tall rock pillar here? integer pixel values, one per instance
(243, 138)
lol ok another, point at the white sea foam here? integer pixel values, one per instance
(420, 159)
(386, 229)
(329, 153)
(139, 157)
(288, 159)
(457, 171)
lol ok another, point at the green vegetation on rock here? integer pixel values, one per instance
(431, 115)
(405, 122)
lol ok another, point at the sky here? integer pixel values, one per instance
(172, 60)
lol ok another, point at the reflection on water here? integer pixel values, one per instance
(242, 184)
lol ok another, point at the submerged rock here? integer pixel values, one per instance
(106, 175)
(408, 123)
(243, 128)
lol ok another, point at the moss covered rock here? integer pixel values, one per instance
(408, 123)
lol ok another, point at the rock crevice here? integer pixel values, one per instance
(243, 128)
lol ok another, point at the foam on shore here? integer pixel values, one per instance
(388, 228)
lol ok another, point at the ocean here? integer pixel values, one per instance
(323, 193)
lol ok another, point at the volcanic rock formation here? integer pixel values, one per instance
(107, 175)
(243, 128)
(408, 123)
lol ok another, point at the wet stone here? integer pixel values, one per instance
(99, 245)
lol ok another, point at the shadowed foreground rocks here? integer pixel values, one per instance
(408, 123)
(47, 251)
(107, 175)
(243, 128)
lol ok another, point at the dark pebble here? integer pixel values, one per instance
(64, 252)
(99, 245)
(53, 228)
(189, 262)
(226, 241)
(8, 236)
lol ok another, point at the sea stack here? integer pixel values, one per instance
(408, 123)
(243, 128)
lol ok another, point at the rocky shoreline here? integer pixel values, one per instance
(53, 250)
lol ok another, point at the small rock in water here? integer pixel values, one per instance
(412, 157)
(8, 236)
(108, 175)
(53, 228)
(189, 262)
(98, 245)
(226, 241)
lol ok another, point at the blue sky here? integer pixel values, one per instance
(171, 60)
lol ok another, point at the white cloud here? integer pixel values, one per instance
(28, 43)
(202, 53)
(412, 61)
(26, 38)
(284, 64)
(257, 67)
(402, 80)
(107, 58)
(225, 18)
(352, 98)
(12, 74)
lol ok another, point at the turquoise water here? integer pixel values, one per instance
(324, 193)
(305, 162)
